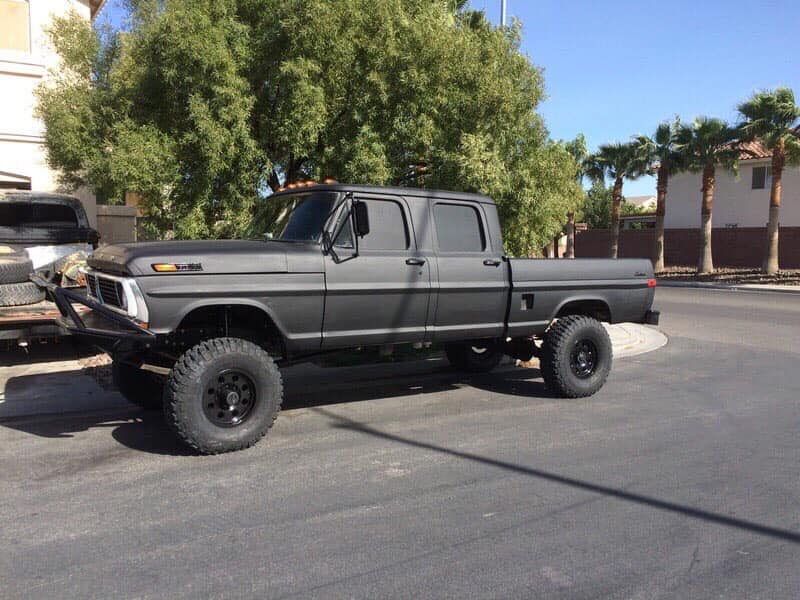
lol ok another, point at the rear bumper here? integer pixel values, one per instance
(100, 325)
(651, 317)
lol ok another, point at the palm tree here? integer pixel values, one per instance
(577, 149)
(771, 118)
(661, 156)
(617, 162)
(706, 144)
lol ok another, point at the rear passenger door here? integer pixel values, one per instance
(380, 296)
(471, 293)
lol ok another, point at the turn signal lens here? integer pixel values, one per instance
(165, 267)
(651, 283)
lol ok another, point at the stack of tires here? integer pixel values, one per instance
(15, 287)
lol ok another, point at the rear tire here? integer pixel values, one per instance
(576, 356)
(140, 387)
(223, 395)
(473, 357)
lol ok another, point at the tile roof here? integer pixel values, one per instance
(753, 150)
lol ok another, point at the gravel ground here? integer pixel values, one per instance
(731, 275)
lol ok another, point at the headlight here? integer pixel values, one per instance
(134, 301)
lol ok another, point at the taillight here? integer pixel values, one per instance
(651, 283)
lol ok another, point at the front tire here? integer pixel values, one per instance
(223, 395)
(473, 357)
(139, 387)
(576, 356)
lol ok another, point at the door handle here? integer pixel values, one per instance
(417, 262)
(491, 262)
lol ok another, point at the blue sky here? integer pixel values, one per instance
(614, 69)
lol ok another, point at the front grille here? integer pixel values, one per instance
(105, 290)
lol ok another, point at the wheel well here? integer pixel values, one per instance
(232, 320)
(597, 309)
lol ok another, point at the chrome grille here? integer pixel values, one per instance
(105, 290)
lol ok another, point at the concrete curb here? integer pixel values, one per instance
(632, 339)
(732, 287)
(627, 339)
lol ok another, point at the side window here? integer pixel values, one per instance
(388, 229)
(762, 178)
(759, 178)
(458, 228)
(345, 237)
(15, 25)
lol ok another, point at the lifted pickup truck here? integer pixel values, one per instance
(201, 327)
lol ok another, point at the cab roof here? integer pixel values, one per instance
(394, 191)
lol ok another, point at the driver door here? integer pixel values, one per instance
(380, 295)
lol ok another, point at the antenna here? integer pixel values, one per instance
(503, 13)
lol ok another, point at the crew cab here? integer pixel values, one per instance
(202, 327)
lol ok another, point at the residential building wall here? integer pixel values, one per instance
(735, 202)
(22, 155)
(739, 247)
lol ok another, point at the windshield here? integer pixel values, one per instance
(296, 218)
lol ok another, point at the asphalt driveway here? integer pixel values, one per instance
(680, 478)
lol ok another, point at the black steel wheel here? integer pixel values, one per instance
(223, 395)
(583, 358)
(230, 399)
(576, 356)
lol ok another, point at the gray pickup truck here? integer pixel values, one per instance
(201, 327)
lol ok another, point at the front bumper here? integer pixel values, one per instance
(100, 325)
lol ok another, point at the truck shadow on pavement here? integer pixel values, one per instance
(146, 431)
(785, 535)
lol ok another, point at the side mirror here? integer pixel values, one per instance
(360, 218)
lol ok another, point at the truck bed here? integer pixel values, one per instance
(541, 288)
(32, 320)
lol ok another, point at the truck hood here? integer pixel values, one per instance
(212, 256)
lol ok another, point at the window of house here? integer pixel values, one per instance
(15, 30)
(388, 229)
(458, 228)
(762, 178)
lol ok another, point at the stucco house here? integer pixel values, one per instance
(739, 218)
(739, 202)
(25, 57)
(643, 202)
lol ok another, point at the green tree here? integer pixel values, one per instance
(617, 162)
(596, 207)
(660, 155)
(706, 144)
(203, 106)
(771, 117)
(577, 149)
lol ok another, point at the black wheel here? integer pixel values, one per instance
(475, 357)
(15, 268)
(19, 294)
(223, 395)
(142, 388)
(576, 356)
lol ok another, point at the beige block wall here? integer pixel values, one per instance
(116, 224)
